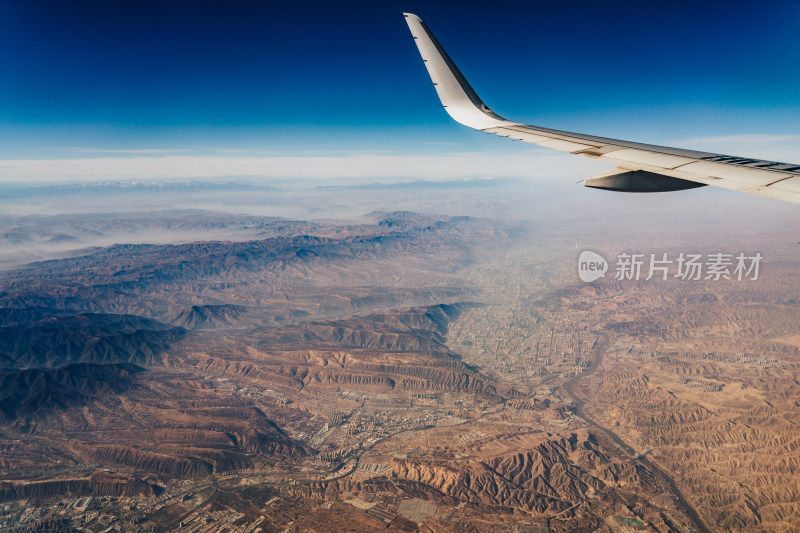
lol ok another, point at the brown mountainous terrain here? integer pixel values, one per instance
(406, 373)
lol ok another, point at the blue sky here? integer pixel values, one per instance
(243, 81)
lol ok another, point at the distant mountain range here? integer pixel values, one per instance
(116, 187)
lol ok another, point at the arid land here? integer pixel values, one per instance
(408, 372)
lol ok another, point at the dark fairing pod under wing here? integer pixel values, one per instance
(623, 180)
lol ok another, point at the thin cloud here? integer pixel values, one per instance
(747, 138)
(226, 150)
(785, 148)
(131, 151)
(533, 163)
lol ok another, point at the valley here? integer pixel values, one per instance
(407, 372)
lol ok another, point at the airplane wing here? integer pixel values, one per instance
(639, 167)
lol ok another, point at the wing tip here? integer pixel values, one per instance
(457, 96)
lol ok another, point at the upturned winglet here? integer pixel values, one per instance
(458, 98)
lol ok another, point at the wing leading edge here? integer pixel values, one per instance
(640, 167)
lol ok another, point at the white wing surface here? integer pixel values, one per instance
(639, 167)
